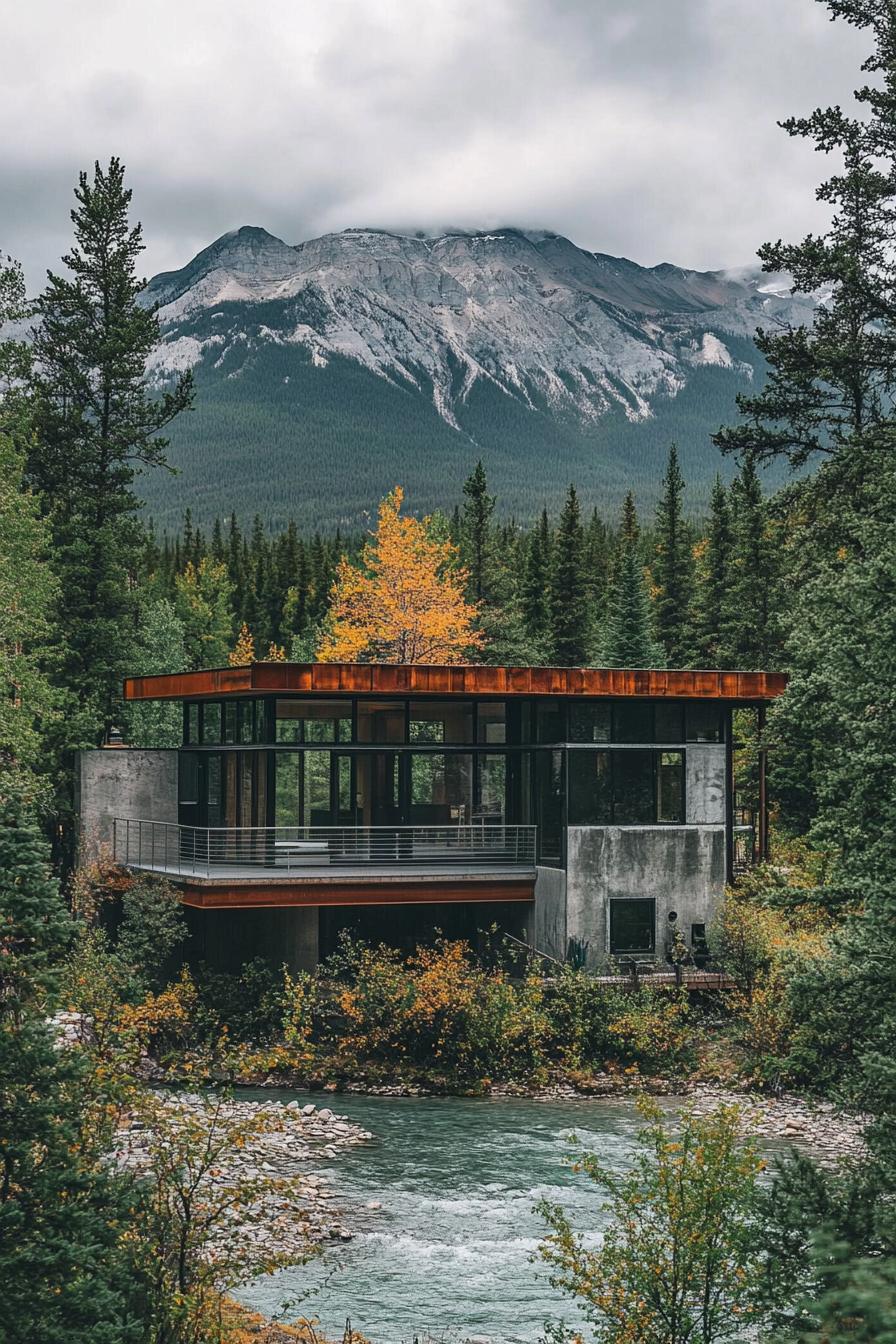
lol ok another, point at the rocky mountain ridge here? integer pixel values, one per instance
(331, 369)
(541, 319)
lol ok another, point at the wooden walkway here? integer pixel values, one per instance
(689, 979)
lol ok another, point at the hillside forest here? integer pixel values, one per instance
(800, 579)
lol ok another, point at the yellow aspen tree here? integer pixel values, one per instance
(405, 602)
(276, 653)
(244, 653)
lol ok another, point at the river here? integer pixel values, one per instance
(448, 1253)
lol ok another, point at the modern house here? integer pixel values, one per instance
(574, 807)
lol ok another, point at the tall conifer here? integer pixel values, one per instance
(570, 617)
(715, 577)
(673, 568)
(97, 423)
(627, 638)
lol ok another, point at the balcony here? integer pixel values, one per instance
(292, 854)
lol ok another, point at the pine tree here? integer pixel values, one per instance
(570, 618)
(673, 568)
(97, 423)
(536, 596)
(487, 555)
(715, 569)
(34, 926)
(598, 553)
(475, 534)
(750, 633)
(28, 591)
(627, 638)
(64, 1264)
(217, 551)
(832, 386)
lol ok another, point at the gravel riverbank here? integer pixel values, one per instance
(290, 1204)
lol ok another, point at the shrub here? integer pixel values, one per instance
(651, 1031)
(679, 1261)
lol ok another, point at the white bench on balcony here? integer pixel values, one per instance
(301, 853)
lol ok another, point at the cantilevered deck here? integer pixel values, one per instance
(332, 865)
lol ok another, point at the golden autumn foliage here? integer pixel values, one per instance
(405, 602)
(244, 653)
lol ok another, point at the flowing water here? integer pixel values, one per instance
(449, 1252)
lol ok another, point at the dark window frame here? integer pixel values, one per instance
(619, 903)
(614, 754)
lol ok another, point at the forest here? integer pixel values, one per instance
(705, 1244)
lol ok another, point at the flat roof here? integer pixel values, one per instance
(451, 680)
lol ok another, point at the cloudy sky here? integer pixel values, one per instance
(644, 128)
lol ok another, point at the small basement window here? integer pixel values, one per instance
(632, 926)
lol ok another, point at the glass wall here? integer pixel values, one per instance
(449, 721)
(548, 720)
(381, 721)
(625, 788)
(441, 789)
(399, 761)
(314, 721)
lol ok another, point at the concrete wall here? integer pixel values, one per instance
(546, 925)
(704, 789)
(681, 867)
(123, 782)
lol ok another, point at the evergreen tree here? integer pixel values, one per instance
(627, 638)
(598, 553)
(750, 633)
(536, 597)
(570, 618)
(27, 594)
(34, 926)
(487, 554)
(64, 1264)
(476, 535)
(712, 602)
(97, 424)
(673, 568)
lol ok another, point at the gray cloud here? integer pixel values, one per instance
(639, 127)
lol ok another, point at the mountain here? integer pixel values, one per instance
(330, 370)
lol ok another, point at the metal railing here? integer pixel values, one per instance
(166, 847)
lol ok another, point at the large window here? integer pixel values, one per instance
(632, 926)
(314, 721)
(287, 765)
(381, 721)
(211, 721)
(441, 789)
(492, 804)
(549, 721)
(438, 721)
(492, 722)
(589, 721)
(634, 801)
(625, 788)
(633, 721)
(704, 723)
(670, 786)
(590, 788)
